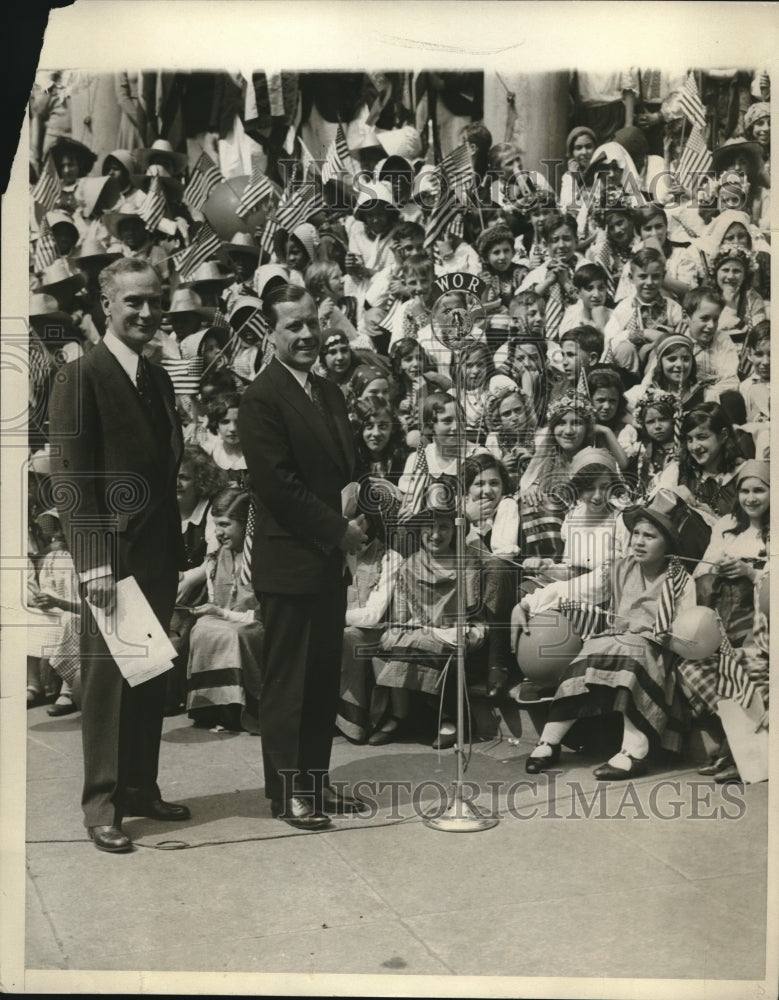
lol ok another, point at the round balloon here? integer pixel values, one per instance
(220, 209)
(695, 633)
(545, 655)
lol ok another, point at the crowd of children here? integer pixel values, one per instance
(609, 415)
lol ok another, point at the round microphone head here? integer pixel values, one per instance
(456, 318)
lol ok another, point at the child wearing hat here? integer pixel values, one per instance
(135, 240)
(628, 668)
(371, 236)
(580, 145)
(241, 256)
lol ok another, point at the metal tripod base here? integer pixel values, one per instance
(460, 817)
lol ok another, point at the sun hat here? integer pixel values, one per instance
(45, 307)
(185, 300)
(240, 244)
(58, 274)
(57, 218)
(161, 151)
(112, 220)
(122, 156)
(84, 156)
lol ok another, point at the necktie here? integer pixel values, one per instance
(143, 382)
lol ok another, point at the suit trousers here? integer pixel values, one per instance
(300, 687)
(121, 725)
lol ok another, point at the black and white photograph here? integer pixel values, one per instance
(386, 456)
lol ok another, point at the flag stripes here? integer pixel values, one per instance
(48, 188)
(152, 211)
(45, 248)
(184, 373)
(256, 191)
(204, 178)
(691, 104)
(205, 245)
(695, 159)
(336, 157)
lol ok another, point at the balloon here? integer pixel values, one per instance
(695, 633)
(545, 655)
(222, 203)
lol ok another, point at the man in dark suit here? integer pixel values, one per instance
(297, 441)
(116, 446)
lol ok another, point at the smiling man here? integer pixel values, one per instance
(116, 446)
(296, 438)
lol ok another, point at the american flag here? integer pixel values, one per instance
(254, 323)
(457, 172)
(245, 576)
(585, 619)
(676, 578)
(444, 213)
(299, 205)
(48, 189)
(46, 248)
(204, 178)
(691, 104)
(583, 387)
(204, 246)
(256, 191)
(152, 211)
(336, 158)
(695, 159)
(733, 681)
(220, 320)
(268, 237)
(184, 374)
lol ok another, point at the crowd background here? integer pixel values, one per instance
(619, 223)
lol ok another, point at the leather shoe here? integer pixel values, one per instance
(720, 763)
(728, 774)
(111, 839)
(300, 813)
(390, 730)
(60, 708)
(444, 740)
(340, 804)
(535, 765)
(607, 772)
(135, 805)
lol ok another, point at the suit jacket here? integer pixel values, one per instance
(297, 471)
(114, 480)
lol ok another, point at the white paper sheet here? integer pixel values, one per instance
(134, 636)
(748, 745)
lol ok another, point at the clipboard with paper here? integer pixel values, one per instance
(134, 637)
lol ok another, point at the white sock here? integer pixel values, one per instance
(553, 733)
(634, 742)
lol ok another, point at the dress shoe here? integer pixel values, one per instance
(340, 804)
(607, 772)
(720, 762)
(111, 839)
(445, 740)
(61, 708)
(497, 682)
(300, 813)
(728, 774)
(136, 805)
(389, 731)
(535, 765)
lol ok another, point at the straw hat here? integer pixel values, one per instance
(45, 308)
(208, 273)
(727, 152)
(58, 275)
(241, 243)
(161, 152)
(185, 300)
(173, 189)
(93, 250)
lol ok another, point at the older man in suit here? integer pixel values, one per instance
(116, 447)
(297, 441)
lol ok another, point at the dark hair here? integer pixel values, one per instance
(218, 407)
(713, 416)
(555, 222)
(434, 404)
(278, 296)
(587, 273)
(232, 502)
(658, 376)
(606, 377)
(217, 333)
(208, 477)
(408, 230)
(404, 348)
(527, 298)
(478, 135)
(586, 478)
(365, 410)
(760, 331)
(695, 296)
(742, 521)
(589, 338)
(647, 256)
(474, 465)
(644, 213)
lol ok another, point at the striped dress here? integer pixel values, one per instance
(621, 670)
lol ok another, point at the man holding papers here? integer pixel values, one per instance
(116, 447)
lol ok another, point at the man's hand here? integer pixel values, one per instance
(354, 537)
(102, 592)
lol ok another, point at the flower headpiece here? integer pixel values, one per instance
(740, 254)
(571, 401)
(654, 396)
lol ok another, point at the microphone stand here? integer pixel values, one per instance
(460, 815)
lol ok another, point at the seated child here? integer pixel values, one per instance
(716, 357)
(553, 278)
(589, 280)
(453, 253)
(756, 388)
